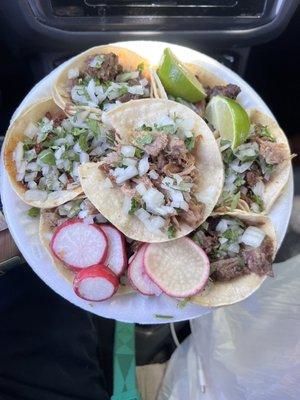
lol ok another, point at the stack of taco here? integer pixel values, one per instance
(139, 188)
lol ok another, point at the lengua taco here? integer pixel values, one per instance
(43, 149)
(241, 248)
(256, 171)
(165, 175)
(101, 78)
(80, 212)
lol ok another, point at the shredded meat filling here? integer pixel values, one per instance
(194, 215)
(229, 90)
(157, 145)
(107, 71)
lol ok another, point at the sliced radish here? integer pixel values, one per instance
(79, 245)
(95, 283)
(116, 258)
(138, 277)
(180, 267)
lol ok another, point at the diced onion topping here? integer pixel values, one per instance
(253, 236)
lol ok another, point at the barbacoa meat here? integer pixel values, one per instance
(209, 242)
(194, 215)
(176, 146)
(108, 70)
(273, 153)
(259, 260)
(129, 96)
(252, 177)
(157, 146)
(231, 91)
(227, 269)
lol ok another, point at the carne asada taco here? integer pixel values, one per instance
(101, 78)
(241, 248)
(256, 171)
(43, 149)
(165, 175)
(81, 209)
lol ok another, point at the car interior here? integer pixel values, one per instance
(257, 40)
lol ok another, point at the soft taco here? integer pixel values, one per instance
(241, 248)
(81, 209)
(165, 175)
(44, 147)
(256, 171)
(101, 78)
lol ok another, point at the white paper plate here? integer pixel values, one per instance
(132, 307)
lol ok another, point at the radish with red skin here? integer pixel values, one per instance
(116, 258)
(95, 283)
(138, 277)
(79, 245)
(179, 267)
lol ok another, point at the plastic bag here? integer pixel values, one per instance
(249, 351)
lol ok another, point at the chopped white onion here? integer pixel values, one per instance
(153, 174)
(223, 240)
(253, 236)
(155, 223)
(84, 157)
(126, 205)
(32, 185)
(91, 91)
(240, 168)
(63, 179)
(31, 130)
(153, 198)
(128, 151)
(73, 73)
(143, 166)
(142, 215)
(234, 248)
(30, 177)
(83, 213)
(141, 188)
(125, 174)
(259, 189)
(35, 195)
(88, 220)
(129, 161)
(164, 210)
(136, 89)
(59, 152)
(222, 226)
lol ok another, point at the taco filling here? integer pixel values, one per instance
(235, 248)
(157, 175)
(47, 159)
(103, 82)
(249, 168)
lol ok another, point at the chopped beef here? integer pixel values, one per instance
(105, 168)
(252, 177)
(259, 260)
(111, 158)
(90, 207)
(187, 171)
(52, 219)
(209, 242)
(48, 115)
(161, 162)
(57, 120)
(127, 189)
(273, 153)
(229, 90)
(194, 215)
(108, 70)
(38, 148)
(174, 222)
(176, 146)
(171, 168)
(200, 106)
(227, 269)
(129, 96)
(157, 146)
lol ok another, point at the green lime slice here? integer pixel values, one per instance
(229, 118)
(177, 80)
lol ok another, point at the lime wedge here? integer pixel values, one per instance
(177, 80)
(229, 118)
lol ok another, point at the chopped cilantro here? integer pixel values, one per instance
(234, 201)
(171, 231)
(140, 67)
(231, 235)
(239, 181)
(93, 125)
(138, 153)
(47, 157)
(190, 142)
(83, 142)
(145, 139)
(228, 156)
(28, 144)
(145, 128)
(183, 303)
(258, 200)
(160, 316)
(33, 212)
(267, 134)
(77, 131)
(135, 205)
(110, 138)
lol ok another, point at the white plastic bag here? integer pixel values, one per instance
(250, 351)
